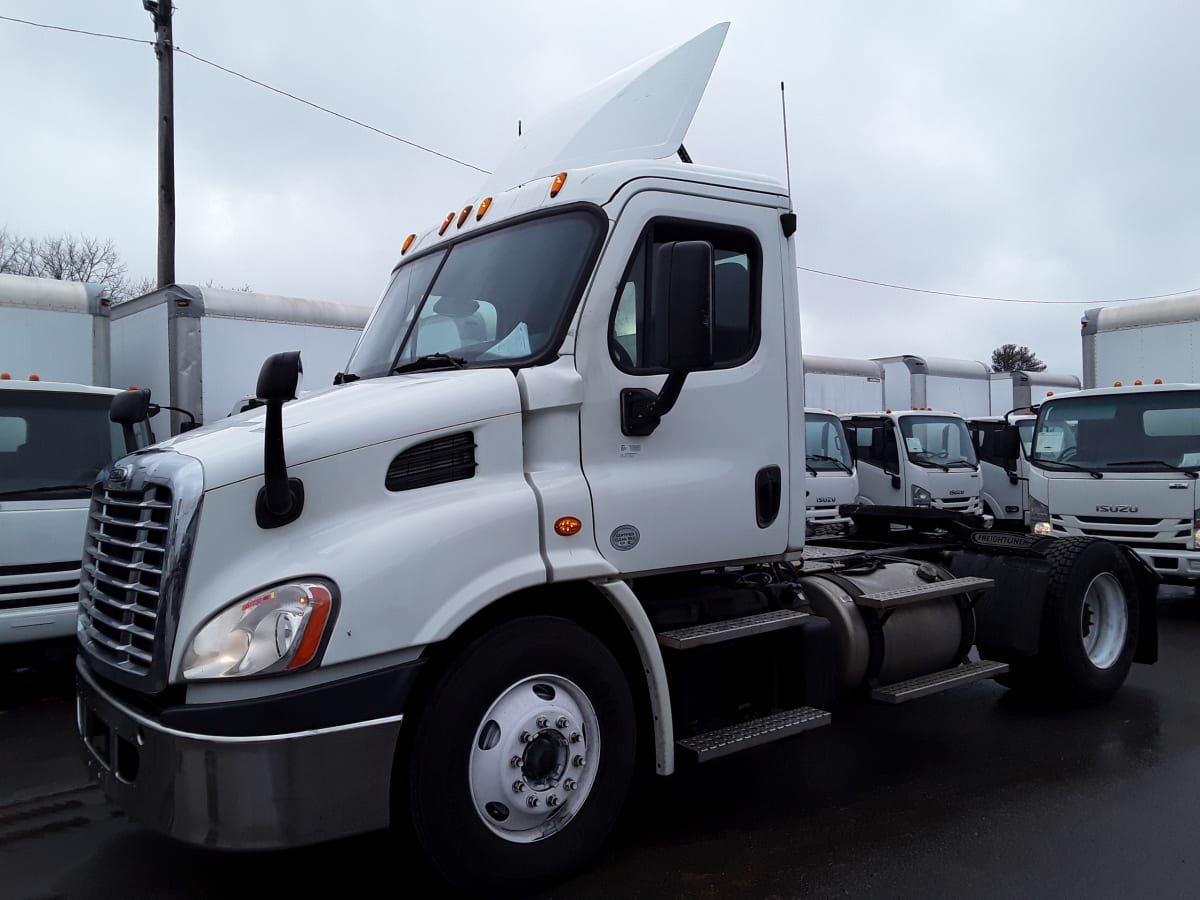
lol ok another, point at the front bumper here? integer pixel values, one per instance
(38, 623)
(238, 791)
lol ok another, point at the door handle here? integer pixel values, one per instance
(768, 494)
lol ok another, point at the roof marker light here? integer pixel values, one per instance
(1137, 381)
(407, 243)
(559, 180)
(4, 376)
(446, 224)
(462, 216)
(34, 378)
(484, 204)
(1049, 393)
(1116, 384)
(1158, 381)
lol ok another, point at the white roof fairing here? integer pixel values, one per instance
(641, 112)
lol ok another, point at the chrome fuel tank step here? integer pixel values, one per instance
(936, 682)
(724, 741)
(891, 599)
(730, 629)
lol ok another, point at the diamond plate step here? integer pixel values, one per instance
(937, 682)
(724, 741)
(825, 553)
(730, 629)
(934, 589)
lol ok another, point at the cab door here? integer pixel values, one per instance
(711, 483)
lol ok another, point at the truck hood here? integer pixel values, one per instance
(1158, 495)
(349, 416)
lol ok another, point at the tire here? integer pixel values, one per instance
(540, 704)
(1089, 624)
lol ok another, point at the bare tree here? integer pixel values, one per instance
(67, 258)
(1011, 358)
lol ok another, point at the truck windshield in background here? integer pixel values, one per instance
(1150, 431)
(1025, 430)
(825, 443)
(500, 298)
(52, 445)
(938, 441)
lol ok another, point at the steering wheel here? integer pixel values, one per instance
(1067, 454)
(622, 355)
(942, 454)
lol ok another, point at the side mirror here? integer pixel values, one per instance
(279, 377)
(681, 305)
(128, 408)
(281, 499)
(852, 442)
(1008, 443)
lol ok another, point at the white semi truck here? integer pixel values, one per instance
(1146, 341)
(197, 348)
(1121, 463)
(547, 530)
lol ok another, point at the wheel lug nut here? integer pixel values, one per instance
(532, 801)
(569, 784)
(515, 762)
(562, 722)
(518, 787)
(552, 800)
(526, 737)
(580, 762)
(542, 722)
(576, 737)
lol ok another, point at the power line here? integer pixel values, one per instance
(255, 81)
(917, 290)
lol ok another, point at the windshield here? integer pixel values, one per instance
(825, 443)
(496, 299)
(1149, 432)
(52, 445)
(938, 441)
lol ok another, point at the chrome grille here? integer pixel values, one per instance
(1139, 533)
(123, 564)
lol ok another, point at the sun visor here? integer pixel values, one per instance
(641, 112)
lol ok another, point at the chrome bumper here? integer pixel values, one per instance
(239, 793)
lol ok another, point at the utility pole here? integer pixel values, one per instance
(164, 50)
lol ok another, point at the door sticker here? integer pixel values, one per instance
(624, 537)
(628, 450)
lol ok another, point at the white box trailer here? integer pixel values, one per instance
(1017, 390)
(56, 330)
(1156, 339)
(961, 386)
(200, 349)
(841, 384)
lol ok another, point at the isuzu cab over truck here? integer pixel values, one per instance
(830, 466)
(920, 458)
(1004, 479)
(1121, 463)
(548, 529)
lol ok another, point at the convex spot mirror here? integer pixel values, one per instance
(279, 377)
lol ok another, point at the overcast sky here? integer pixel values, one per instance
(1021, 149)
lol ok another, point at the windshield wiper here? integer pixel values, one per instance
(961, 464)
(431, 361)
(1190, 473)
(927, 463)
(821, 456)
(45, 489)
(1067, 465)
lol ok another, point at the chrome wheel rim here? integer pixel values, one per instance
(1104, 620)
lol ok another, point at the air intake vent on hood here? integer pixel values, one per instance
(450, 458)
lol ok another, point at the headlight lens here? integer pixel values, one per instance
(921, 497)
(1196, 528)
(1039, 517)
(276, 630)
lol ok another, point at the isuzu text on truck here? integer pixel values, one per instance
(547, 528)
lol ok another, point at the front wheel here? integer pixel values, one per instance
(522, 756)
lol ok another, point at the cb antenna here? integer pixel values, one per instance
(787, 163)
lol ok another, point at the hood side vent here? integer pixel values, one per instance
(449, 458)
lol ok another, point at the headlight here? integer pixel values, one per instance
(1196, 528)
(921, 497)
(1039, 517)
(276, 630)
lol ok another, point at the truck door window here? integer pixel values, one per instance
(736, 278)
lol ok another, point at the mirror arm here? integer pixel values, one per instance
(642, 409)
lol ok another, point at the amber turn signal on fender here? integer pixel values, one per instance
(567, 526)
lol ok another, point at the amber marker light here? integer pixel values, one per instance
(407, 243)
(34, 378)
(1158, 381)
(1116, 384)
(321, 603)
(559, 180)
(446, 224)
(1137, 381)
(567, 526)
(484, 205)
(462, 216)
(4, 376)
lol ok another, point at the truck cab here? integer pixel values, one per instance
(917, 458)
(1005, 480)
(1122, 463)
(55, 439)
(833, 480)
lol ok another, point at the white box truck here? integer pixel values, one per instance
(841, 384)
(832, 472)
(56, 330)
(197, 348)
(470, 591)
(1142, 342)
(1021, 390)
(961, 386)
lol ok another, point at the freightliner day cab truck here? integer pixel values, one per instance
(547, 529)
